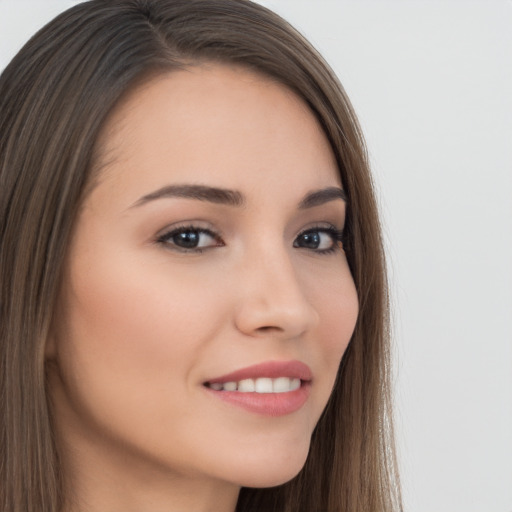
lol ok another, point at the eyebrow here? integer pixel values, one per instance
(198, 192)
(319, 197)
(233, 197)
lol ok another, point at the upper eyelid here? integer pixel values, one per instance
(329, 227)
(333, 230)
(171, 231)
(193, 225)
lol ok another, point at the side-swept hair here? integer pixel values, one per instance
(55, 96)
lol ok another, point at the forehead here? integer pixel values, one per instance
(214, 122)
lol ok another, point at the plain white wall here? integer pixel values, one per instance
(432, 84)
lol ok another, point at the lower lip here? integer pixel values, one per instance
(267, 404)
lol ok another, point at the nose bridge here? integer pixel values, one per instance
(273, 297)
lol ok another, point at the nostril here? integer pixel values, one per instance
(269, 328)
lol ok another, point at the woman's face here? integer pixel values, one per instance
(210, 244)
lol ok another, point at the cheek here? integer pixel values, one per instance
(132, 334)
(337, 303)
(341, 309)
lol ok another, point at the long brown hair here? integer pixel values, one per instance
(54, 98)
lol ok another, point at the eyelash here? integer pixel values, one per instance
(337, 236)
(165, 238)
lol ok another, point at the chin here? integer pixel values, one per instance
(273, 471)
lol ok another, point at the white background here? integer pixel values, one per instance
(432, 84)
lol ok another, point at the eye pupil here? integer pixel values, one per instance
(311, 240)
(186, 239)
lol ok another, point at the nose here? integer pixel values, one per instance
(272, 300)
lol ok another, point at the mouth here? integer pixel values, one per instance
(259, 385)
(274, 388)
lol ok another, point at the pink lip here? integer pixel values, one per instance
(267, 404)
(269, 369)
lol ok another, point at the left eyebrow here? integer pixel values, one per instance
(319, 197)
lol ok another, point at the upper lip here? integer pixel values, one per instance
(269, 369)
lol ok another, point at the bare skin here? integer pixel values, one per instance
(144, 322)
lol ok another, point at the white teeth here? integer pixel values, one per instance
(261, 385)
(281, 385)
(294, 384)
(229, 386)
(246, 385)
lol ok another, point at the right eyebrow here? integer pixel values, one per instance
(322, 196)
(198, 192)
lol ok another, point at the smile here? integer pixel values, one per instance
(260, 385)
(273, 388)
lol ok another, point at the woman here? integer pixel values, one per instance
(193, 308)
